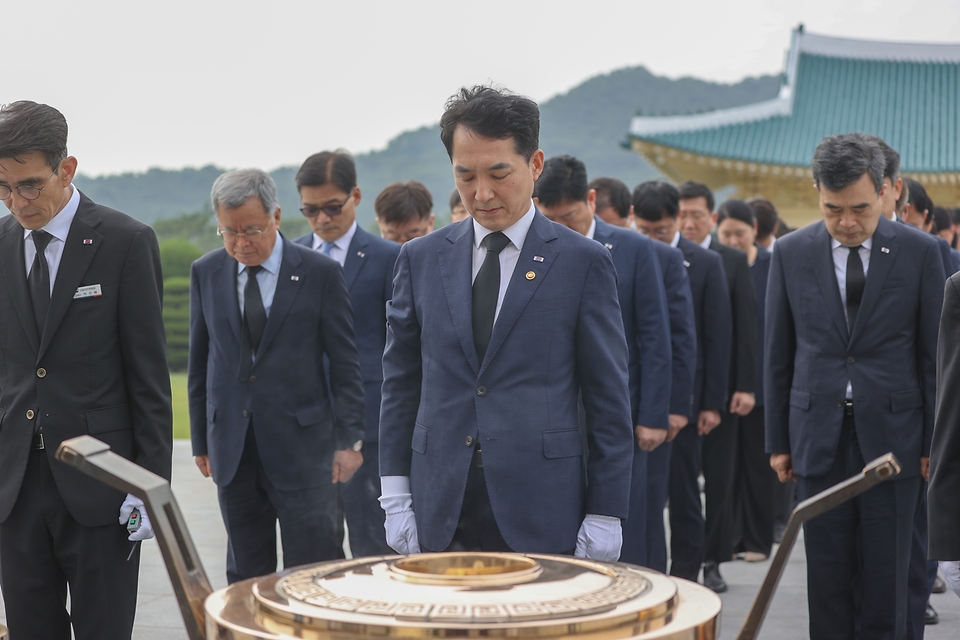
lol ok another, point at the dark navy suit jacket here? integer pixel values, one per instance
(296, 424)
(713, 317)
(646, 323)
(683, 328)
(559, 333)
(743, 307)
(368, 270)
(890, 357)
(760, 270)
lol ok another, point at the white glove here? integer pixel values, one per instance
(146, 529)
(400, 523)
(951, 573)
(599, 538)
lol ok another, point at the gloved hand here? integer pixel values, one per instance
(146, 529)
(400, 524)
(951, 573)
(599, 538)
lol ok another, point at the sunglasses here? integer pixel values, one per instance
(332, 210)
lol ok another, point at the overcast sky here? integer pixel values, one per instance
(266, 83)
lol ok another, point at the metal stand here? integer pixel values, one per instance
(189, 580)
(874, 473)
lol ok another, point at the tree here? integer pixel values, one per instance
(176, 321)
(176, 256)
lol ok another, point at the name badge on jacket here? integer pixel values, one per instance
(89, 291)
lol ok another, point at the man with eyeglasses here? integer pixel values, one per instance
(656, 207)
(83, 352)
(327, 183)
(276, 397)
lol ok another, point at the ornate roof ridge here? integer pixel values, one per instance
(834, 47)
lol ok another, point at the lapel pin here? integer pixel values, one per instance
(538, 258)
(88, 241)
(608, 246)
(361, 253)
(531, 275)
(884, 250)
(295, 278)
(686, 263)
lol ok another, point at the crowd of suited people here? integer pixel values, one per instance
(552, 372)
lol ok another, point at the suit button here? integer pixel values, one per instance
(468, 441)
(253, 378)
(41, 373)
(245, 413)
(481, 391)
(851, 360)
(30, 414)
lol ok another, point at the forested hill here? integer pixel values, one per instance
(590, 122)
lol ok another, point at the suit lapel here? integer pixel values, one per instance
(602, 235)
(521, 288)
(456, 268)
(15, 274)
(225, 293)
(356, 255)
(288, 285)
(883, 252)
(76, 259)
(821, 257)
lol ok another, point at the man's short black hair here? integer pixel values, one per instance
(918, 198)
(955, 215)
(493, 113)
(328, 167)
(766, 216)
(691, 189)
(891, 166)
(403, 201)
(840, 161)
(455, 199)
(653, 201)
(941, 219)
(564, 179)
(612, 193)
(28, 126)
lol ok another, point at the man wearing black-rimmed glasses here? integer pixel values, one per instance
(275, 428)
(329, 195)
(81, 352)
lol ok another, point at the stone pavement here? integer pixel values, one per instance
(158, 616)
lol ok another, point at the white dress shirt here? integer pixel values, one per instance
(705, 243)
(58, 227)
(676, 240)
(517, 233)
(593, 228)
(840, 255)
(266, 279)
(340, 246)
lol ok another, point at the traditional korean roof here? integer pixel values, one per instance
(906, 93)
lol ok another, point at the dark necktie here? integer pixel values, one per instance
(254, 320)
(486, 291)
(39, 279)
(855, 283)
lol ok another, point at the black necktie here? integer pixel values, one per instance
(855, 283)
(254, 320)
(39, 279)
(486, 291)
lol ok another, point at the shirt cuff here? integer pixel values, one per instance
(394, 485)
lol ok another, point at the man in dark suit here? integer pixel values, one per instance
(499, 324)
(943, 505)
(562, 195)
(268, 423)
(853, 306)
(82, 351)
(614, 206)
(327, 183)
(656, 206)
(698, 218)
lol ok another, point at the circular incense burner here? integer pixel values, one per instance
(447, 595)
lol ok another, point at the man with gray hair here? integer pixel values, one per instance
(853, 306)
(263, 314)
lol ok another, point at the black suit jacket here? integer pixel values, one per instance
(368, 271)
(743, 305)
(100, 367)
(711, 308)
(943, 494)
